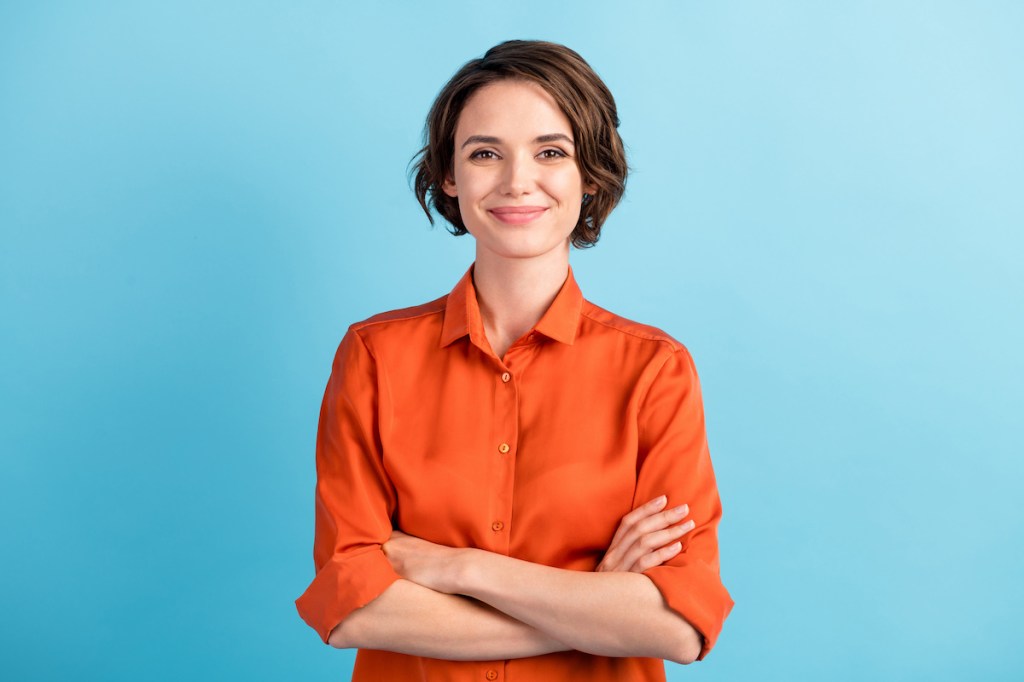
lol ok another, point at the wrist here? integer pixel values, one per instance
(465, 575)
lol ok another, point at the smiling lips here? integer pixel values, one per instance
(517, 215)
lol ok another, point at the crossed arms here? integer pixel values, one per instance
(470, 604)
(657, 592)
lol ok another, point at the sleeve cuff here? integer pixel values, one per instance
(694, 591)
(342, 585)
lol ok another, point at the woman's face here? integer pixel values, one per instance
(515, 174)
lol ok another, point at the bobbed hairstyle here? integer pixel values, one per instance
(579, 92)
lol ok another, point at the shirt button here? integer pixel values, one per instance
(503, 448)
(492, 674)
(497, 526)
(506, 377)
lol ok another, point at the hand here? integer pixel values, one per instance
(642, 539)
(424, 562)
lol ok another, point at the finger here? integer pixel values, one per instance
(660, 520)
(623, 538)
(625, 543)
(667, 518)
(651, 542)
(646, 509)
(655, 522)
(657, 558)
(641, 512)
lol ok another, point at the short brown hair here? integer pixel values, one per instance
(583, 98)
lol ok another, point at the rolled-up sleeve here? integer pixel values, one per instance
(354, 498)
(674, 460)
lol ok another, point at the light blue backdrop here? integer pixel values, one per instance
(196, 199)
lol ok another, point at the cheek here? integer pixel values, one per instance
(470, 194)
(572, 217)
(472, 184)
(573, 192)
(568, 184)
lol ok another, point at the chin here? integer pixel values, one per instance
(523, 249)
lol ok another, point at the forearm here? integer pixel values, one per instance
(609, 614)
(411, 619)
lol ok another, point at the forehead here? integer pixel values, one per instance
(511, 108)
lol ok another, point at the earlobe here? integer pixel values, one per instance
(448, 187)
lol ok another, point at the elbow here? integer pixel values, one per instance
(341, 637)
(687, 646)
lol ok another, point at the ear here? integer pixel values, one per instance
(448, 187)
(590, 189)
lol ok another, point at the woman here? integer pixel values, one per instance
(513, 482)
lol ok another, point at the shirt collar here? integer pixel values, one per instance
(462, 313)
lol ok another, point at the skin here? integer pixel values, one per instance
(520, 192)
(422, 615)
(513, 150)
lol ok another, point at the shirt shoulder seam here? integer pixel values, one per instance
(661, 337)
(386, 317)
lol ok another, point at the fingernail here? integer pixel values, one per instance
(682, 509)
(660, 501)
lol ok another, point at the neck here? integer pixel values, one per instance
(514, 293)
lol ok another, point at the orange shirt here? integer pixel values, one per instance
(537, 455)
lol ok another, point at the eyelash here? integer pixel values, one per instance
(557, 154)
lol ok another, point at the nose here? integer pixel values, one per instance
(517, 176)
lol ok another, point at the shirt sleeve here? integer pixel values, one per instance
(674, 461)
(354, 497)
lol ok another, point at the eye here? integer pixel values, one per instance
(483, 155)
(553, 154)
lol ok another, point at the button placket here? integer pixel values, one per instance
(506, 424)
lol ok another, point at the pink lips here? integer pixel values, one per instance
(517, 215)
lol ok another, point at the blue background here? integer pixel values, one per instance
(197, 198)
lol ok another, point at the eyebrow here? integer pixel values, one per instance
(488, 139)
